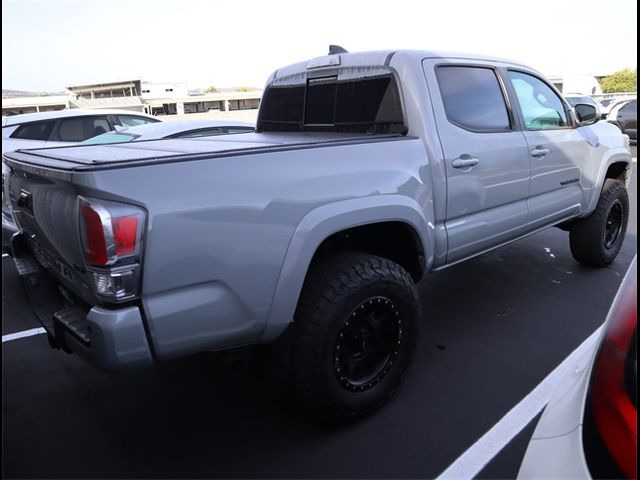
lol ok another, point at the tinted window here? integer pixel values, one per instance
(199, 133)
(213, 131)
(238, 129)
(33, 131)
(321, 101)
(632, 106)
(282, 106)
(80, 128)
(541, 107)
(473, 98)
(132, 121)
(363, 100)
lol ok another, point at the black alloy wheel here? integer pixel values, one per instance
(367, 345)
(614, 223)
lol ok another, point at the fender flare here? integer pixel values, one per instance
(321, 223)
(617, 155)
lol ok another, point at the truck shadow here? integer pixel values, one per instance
(493, 327)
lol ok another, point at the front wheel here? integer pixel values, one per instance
(355, 335)
(597, 239)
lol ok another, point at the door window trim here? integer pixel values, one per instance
(513, 125)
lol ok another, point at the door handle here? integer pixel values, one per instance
(539, 152)
(465, 162)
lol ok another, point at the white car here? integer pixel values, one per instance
(57, 129)
(64, 127)
(175, 129)
(588, 429)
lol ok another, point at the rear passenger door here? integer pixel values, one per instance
(485, 156)
(559, 153)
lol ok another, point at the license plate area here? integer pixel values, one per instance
(50, 261)
(68, 298)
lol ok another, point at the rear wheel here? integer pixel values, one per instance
(597, 239)
(355, 335)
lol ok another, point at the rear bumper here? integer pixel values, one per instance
(117, 339)
(109, 339)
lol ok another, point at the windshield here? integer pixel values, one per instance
(111, 137)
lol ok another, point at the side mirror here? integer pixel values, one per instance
(586, 114)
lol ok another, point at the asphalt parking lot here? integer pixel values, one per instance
(493, 329)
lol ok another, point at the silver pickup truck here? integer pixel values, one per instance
(367, 170)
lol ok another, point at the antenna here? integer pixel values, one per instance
(336, 49)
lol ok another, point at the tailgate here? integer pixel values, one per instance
(45, 207)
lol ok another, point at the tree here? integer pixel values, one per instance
(211, 89)
(623, 81)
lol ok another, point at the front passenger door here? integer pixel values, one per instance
(558, 152)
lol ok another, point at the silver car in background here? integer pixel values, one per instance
(177, 129)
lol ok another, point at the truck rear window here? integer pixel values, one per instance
(354, 100)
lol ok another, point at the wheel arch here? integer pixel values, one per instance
(618, 170)
(616, 165)
(324, 225)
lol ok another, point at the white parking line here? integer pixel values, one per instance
(478, 455)
(5, 255)
(471, 462)
(23, 334)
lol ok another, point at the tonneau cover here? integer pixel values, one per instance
(113, 155)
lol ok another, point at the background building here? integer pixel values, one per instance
(577, 84)
(155, 98)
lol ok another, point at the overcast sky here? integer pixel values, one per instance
(50, 44)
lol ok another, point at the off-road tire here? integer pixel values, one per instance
(338, 289)
(588, 236)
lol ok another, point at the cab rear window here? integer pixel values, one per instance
(355, 100)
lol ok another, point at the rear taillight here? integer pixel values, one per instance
(613, 405)
(125, 234)
(112, 242)
(95, 246)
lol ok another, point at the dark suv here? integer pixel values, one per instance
(626, 118)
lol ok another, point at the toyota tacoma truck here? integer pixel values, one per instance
(366, 171)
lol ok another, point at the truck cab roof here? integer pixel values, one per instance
(378, 58)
